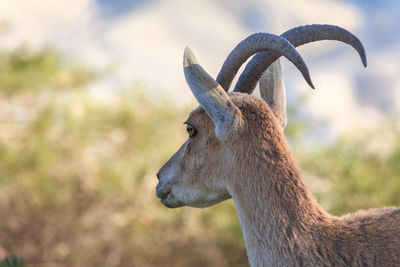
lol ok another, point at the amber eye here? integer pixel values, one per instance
(191, 130)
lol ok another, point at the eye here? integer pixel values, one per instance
(191, 130)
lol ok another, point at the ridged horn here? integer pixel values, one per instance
(297, 36)
(255, 43)
(212, 97)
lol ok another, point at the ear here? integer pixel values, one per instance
(225, 115)
(272, 90)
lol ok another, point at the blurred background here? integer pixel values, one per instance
(92, 101)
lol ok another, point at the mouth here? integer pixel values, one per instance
(162, 193)
(164, 196)
(169, 201)
(165, 201)
(167, 197)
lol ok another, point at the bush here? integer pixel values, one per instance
(77, 174)
(77, 179)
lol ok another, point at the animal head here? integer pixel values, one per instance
(228, 130)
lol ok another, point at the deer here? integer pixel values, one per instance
(236, 149)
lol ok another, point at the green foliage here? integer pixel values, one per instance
(77, 174)
(24, 70)
(77, 178)
(364, 171)
(12, 261)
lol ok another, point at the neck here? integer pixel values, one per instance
(277, 214)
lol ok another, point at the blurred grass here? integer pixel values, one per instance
(12, 261)
(24, 70)
(77, 174)
(363, 170)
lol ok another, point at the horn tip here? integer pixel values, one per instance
(310, 83)
(364, 62)
(363, 57)
(188, 57)
(308, 80)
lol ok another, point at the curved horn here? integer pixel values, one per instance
(256, 43)
(210, 95)
(297, 36)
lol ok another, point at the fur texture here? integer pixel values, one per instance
(282, 223)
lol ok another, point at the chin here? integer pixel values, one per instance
(207, 204)
(172, 204)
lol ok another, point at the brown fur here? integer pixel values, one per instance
(282, 223)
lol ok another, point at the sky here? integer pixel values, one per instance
(143, 42)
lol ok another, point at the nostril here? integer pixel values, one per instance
(158, 176)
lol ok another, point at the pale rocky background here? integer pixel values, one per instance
(143, 41)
